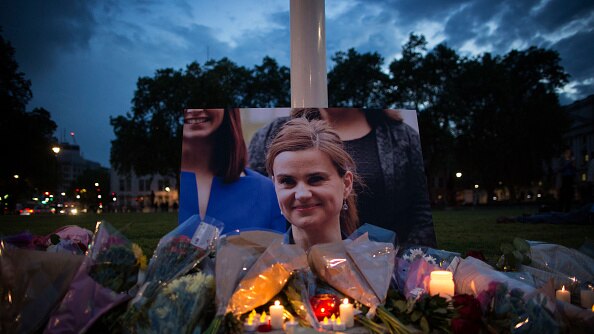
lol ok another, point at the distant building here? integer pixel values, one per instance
(580, 136)
(72, 164)
(143, 193)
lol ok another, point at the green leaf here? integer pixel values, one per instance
(440, 310)
(425, 325)
(400, 305)
(416, 315)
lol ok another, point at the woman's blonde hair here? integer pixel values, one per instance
(300, 134)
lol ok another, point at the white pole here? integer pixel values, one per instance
(308, 54)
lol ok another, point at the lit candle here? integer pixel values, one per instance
(326, 323)
(276, 315)
(338, 325)
(346, 313)
(249, 325)
(263, 319)
(587, 298)
(441, 283)
(290, 326)
(563, 295)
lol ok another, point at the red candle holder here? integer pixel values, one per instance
(325, 305)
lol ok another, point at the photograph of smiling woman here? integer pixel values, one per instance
(229, 157)
(313, 177)
(214, 179)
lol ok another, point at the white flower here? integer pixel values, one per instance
(415, 253)
(430, 259)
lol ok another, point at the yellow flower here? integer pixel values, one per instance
(140, 257)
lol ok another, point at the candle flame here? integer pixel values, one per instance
(276, 303)
(333, 318)
(325, 320)
(592, 308)
(563, 288)
(338, 321)
(345, 301)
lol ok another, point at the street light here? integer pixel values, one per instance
(459, 174)
(16, 176)
(56, 149)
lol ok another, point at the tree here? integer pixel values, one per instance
(408, 76)
(28, 136)
(270, 86)
(513, 122)
(91, 196)
(357, 80)
(154, 125)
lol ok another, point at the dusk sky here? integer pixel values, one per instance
(84, 57)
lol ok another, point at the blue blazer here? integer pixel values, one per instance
(248, 203)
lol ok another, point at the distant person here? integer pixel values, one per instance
(567, 173)
(582, 216)
(388, 157)
(214, 180)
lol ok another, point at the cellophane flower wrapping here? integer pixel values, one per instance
(32, 283)
(360, 268)
(184, 305)
(108, 271)
(176, 255)
(298, 292)
(236, 254)
(267, 276)
(563, 265)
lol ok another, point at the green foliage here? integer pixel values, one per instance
(497, 118)
(427, 312)
(27, 135)
(357, 80)
(514, 254)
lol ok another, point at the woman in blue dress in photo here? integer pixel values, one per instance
(214, 180)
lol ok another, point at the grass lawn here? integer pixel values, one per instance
(458, 230)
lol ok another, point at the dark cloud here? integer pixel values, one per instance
(43, 30)
(576, 55)
(558, 13)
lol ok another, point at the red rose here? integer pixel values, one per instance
(468, 307)
(461, 326)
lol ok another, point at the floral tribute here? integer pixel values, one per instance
(251, 278)
(108, 271)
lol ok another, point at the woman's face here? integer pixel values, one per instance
(309, 190)
(201, 123)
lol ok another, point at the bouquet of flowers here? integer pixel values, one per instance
(267, 276)
(176, 254)
(32, 283)
(236, 254)
(184, 305)
(108, 271)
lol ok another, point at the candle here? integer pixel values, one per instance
(338, 325)
(324, 305)
(326, 323)
(290, 326)
(346, 313)
(276, 315)
(249, 325)
(441, 283)
(587, 298)
(563, 295)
